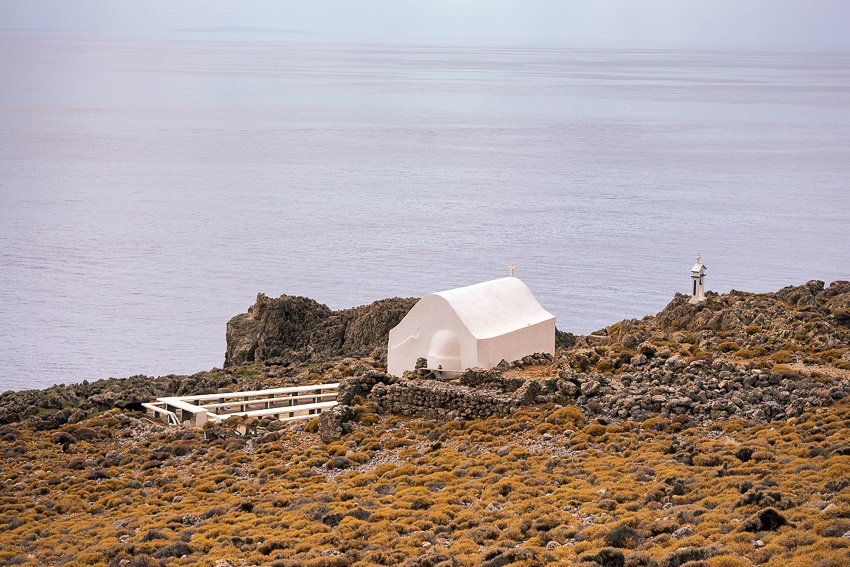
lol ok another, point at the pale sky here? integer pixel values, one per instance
(735, 21)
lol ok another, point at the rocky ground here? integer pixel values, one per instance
(714, 434)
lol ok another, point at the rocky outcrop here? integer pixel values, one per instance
(333, 423)
(768, 311)
(298, 329)
(273, 328)
(805, 317)
(55, 406)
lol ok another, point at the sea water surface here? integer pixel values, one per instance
(150, 187)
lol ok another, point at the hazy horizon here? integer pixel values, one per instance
(819, 22)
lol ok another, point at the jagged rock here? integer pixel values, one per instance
(796, 295)
(590, 388)
(647, 349)
(50, 420)
(298, 328)
(332, 421)
(528, 392)
(569, 389)
(78, 401)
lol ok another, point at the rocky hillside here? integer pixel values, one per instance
(708, 435)
(809, 317)
(807, 324)
(298, 329)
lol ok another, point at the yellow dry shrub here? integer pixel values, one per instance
(836, 467)
(781, 356)
(728, 561)
(707, 460)
(582, 547)
(656, 423)
(594, 430)
(594, 532)
(463, 548)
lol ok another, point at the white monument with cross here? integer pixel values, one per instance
(473, 326)
(698, 279)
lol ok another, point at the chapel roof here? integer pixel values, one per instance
(495, 307)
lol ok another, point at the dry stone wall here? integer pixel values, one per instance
(433, 399)
(437, 399)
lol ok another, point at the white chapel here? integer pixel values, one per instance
(473, 326)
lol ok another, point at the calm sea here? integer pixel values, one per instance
(151, 186)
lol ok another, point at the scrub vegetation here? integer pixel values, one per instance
(544, 486)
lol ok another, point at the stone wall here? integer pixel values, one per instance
(477, 394)
(436, 400)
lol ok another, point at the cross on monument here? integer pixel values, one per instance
(512, 267)
(699, 258)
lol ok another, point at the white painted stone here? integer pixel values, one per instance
(477, 325)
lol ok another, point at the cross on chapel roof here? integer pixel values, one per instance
(699, 267)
